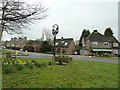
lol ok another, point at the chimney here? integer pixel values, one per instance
(61, 38)
(95, 31)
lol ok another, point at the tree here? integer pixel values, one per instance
(46, 47)
(30, 42)
(48, 34)
(16, 14)
(108, 32)
(85, 33)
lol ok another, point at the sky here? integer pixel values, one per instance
(73, 16)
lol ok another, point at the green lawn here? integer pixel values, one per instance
(78, 74)
(0, 80)
(112, 58)
(3, 52)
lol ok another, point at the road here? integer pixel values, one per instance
(75, 57)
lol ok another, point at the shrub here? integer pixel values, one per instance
(38, 65)
(63, 59)
(12, 47)
(43, 64)
(46, 47)
(32, 61)
(49, 63)
(29, 48)
(7, 68)
(30, 65)
(19, 67)
(8, 55)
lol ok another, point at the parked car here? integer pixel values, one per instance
(2, 47)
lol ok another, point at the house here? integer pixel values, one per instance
(33, 45)
(16, 42)
(38, 46)
(65, 46)
(98, 44)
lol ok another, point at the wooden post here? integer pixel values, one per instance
(54, 48)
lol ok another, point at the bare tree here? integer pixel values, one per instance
(16, 14)
(48, 34)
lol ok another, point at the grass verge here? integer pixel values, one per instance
(78, 74)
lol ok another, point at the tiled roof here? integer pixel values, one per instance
(96, 36)
(65, 42)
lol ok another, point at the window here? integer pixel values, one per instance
(115, 44)
(106, 44)
(62, 41)
(66, 44)
(56, 44)
(94, 44)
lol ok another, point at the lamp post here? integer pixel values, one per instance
(55, 28)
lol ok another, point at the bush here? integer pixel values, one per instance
(46, 47)
(43, 64)
(29, 48)
(49, 63)
(12, 47)
(7, 68)
(38, 65)
(32, 61)
(30, 65)
(19, 67)
(63, 59)
(8, 55)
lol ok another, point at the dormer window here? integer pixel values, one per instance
(56, 44)
(94, 44)
(106, 44)
(62, 41)
(66, 44)
(115, 44)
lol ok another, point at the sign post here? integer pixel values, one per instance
(55, 30)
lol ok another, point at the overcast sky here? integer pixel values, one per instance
(73, 16)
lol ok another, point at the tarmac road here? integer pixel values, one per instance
(75, 57)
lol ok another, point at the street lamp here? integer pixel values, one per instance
(55, 28)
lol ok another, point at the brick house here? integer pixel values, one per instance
(38, 46)
(33, 45)
(98, 44)
(16, 42)
(65, 46)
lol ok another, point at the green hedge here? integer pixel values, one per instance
(14, 48)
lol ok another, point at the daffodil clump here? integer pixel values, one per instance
(10, 65)
(12, 62)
